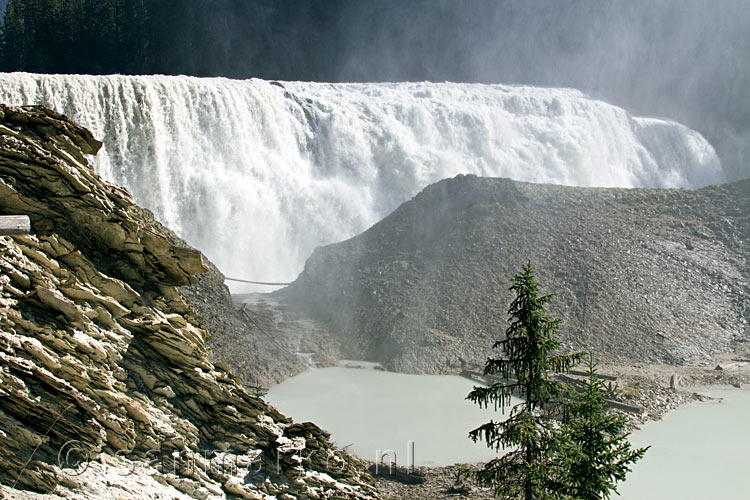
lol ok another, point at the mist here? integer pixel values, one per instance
(684, 60)
(681, 59)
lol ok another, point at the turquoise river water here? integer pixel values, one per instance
(700, 451)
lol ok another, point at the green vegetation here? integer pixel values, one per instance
(258, 391)
(234, 38)
(562, 444)
(592, 451)
(530, 429)
(75, 36)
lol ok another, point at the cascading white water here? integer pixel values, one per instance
(257, 173)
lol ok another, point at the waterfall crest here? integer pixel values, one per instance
(258, 173)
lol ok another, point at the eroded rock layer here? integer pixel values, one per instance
(102, 360)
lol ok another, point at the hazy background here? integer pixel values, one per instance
(683, 59)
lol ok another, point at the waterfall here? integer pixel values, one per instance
(257, 173)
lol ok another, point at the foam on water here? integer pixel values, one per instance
(257, 173)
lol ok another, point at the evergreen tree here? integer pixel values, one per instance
(276, 39)
(529, 349)
(592, 451)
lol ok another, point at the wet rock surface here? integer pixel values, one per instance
(107, 389)
(640, 275)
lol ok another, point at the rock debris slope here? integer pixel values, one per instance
(251, 342)
(641, 275)
(103, 365)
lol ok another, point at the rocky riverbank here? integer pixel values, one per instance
(107, 389)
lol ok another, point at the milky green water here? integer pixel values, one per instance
(370, 410)
(700, 451)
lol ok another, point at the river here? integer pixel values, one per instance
(697, 451)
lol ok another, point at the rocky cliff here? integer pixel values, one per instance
(107, 389)
(641, 275)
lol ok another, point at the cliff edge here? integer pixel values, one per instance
(107, 389)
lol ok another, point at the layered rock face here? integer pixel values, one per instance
(640, 275)
(257, 346)
(103, 364)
